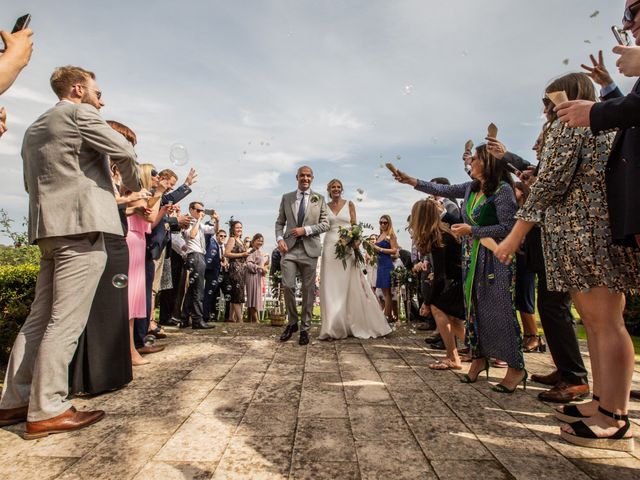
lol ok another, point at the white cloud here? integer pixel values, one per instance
(22, 93)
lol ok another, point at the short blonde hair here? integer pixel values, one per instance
(335, 180)
(63, 78)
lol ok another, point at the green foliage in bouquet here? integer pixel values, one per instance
(349, 241)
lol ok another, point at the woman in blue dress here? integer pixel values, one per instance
(488, 211)
(386, 245)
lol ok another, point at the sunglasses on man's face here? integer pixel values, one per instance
(199, 210)
(630, 12)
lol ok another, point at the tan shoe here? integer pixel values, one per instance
(65, 422)
(11, 416)
(150, 349)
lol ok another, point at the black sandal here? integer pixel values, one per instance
(584, 436)
(571, 413)
(540, 347)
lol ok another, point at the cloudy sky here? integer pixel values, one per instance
(254, 89)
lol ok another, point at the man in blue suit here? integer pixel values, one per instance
(214, 274)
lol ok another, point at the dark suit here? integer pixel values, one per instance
(212, 277)
(623, 168)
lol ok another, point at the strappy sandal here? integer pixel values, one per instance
(466, 378)
(444, 365)
(571, 413)
(539, 347)
(583, 435)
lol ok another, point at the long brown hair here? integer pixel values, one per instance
(391, 233)
(426, 226)
(493, 173)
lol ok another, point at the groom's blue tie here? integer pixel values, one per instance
(301, 209)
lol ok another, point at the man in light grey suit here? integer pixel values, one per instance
(302, 218)
(71, 203)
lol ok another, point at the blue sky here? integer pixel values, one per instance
(255, 89)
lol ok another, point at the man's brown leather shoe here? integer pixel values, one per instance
(564, 393)
(150, 349)
(65, 422)
(11, 416)
(551, 379)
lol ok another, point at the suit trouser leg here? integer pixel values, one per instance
(157, 278)
(193, 304)
(308, 268)
(558, 325)
(38, 370)
(208, 299)
(141, 325)
(289, 265)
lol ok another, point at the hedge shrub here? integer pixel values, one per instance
(17, 290)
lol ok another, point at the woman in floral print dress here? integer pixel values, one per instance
(569, 201)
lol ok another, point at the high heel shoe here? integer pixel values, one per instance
(500, 388)
(583, 435)
(541, 346)
(467, 379)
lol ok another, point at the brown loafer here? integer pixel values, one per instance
(65, 422)
(564, 393)
(551, 379)
(11, 416)
(150, 349)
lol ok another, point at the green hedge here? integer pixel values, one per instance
(17, 289)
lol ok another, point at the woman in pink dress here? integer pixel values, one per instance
(141, 219)
(257, 268)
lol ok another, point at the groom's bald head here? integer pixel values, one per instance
(304, 176)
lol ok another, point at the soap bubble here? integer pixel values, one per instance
(227, 298)
(178, 154)
(408, 89)
(120, 280)
(565, 61)
(210, 292)
(398, 157)
(360, 190)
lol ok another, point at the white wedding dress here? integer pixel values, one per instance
(348, 306)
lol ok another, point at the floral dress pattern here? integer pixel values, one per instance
(569, 201)
(237, 273)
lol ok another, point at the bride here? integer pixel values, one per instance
(347, 303)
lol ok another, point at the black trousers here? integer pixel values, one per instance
(170, 297)
(193, 306)
(559, 330)
(215, 286)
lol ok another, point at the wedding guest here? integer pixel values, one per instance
(581, 256)
(257, 269)
(171, 299)
(451, 213)
(102, 361)
(371, 263)
(71, 204)
(247, 243)
(526, 290)
(442, 293)
(213, 275)
(488, 209)
(237, 255)
(386, 246)
(196, 265)
(140, 222)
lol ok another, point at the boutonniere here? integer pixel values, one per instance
(315, 198)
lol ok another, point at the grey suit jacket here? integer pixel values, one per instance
(315, 217)
(65, 156)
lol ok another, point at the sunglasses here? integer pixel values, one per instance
(199, 210)
(383, 222)
(629, 13)
(546, 102)
(154, 173)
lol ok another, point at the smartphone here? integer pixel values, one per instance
(622, 36)
(209, 211)
(21, 23)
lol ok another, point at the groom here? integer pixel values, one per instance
(301, 220)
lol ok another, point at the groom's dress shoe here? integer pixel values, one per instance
(290, 330)
(11, 416)
(304, 338)
(65, 422)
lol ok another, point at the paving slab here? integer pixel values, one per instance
(236, 403)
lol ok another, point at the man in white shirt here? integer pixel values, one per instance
(196, 266)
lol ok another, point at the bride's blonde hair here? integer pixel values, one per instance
(331, 182)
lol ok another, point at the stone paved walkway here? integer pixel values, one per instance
(236, 403)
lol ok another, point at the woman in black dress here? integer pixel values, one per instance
(442, 292)
(237, 254)
(103, 361)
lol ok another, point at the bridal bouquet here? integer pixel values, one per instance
(349, 241)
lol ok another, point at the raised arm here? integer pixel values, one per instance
(447, 191)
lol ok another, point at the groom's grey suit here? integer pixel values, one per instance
(71, 203)
(303, 253)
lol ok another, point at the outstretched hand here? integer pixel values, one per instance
(496, 147)
(598, 72)
(191, 177)
(575, 113)
(404, 178)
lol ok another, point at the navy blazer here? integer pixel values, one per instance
(160, 237)
(213, 256)
(623, 168)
